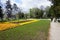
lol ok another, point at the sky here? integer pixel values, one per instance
(25, 5)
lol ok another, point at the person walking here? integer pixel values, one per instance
(51, 18)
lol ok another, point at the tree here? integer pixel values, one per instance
(15, 7)
(14, 11)
(8, 9)
(32, 15)
(20, 15)
(47, 9)
(51, 11)
(56, 7)
(1, 13)
(36, 13)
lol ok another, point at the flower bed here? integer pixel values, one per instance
(7, 25)
(20, 21)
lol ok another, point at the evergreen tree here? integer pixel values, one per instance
(8, 9)
(1, 13)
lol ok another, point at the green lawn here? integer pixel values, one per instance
(34, 31)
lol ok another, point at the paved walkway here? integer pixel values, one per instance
(54, 31)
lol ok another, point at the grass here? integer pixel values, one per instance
(34, 31)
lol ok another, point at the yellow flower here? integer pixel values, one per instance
(7, 25)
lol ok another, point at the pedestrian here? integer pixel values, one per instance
(51, 18)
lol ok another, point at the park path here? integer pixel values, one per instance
(54, 31)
